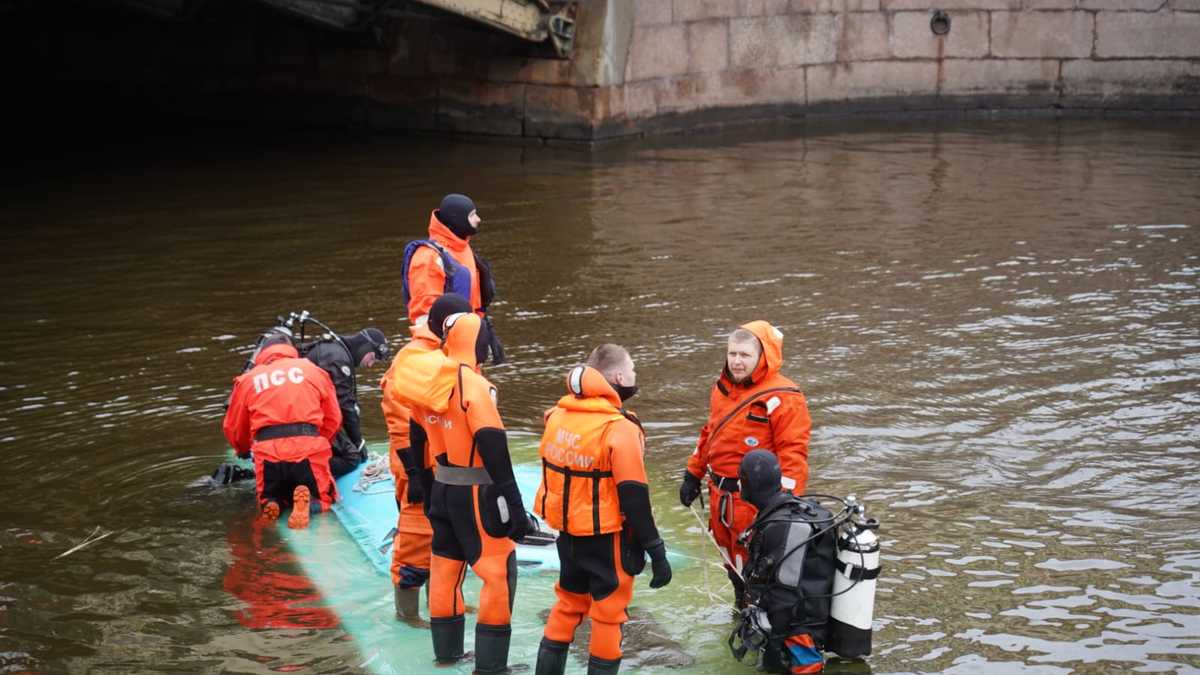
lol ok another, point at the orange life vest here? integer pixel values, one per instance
(578, 494)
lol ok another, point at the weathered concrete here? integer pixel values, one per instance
(642, 66)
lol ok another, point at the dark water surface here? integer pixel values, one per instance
(997, 325)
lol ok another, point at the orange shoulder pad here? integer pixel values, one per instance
(423, 379)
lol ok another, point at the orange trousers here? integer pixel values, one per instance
(411, 549)
(593, 582)
(729, 516)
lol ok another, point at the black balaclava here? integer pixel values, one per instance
(624, 391)
(444, 306)
(760, 477)
(367, 340)
(454, 214)
(483, 343)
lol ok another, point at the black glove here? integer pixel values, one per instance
(518, 520)
(689, 489)
(659, 564)
(416, 488)
(230, 473)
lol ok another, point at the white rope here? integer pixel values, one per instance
(376, 471)
(92, 538)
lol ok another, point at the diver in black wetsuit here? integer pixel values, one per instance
(341, 357)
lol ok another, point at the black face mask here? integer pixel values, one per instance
(625, 392)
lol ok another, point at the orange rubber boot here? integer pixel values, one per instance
(269, 513)
(298, 520)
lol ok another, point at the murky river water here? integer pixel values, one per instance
(997, 326)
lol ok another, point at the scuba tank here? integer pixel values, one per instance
(849, 633)
(789, 585)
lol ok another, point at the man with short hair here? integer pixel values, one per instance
(752, 406)
(285, 411)
(594, 492)
(341, 357)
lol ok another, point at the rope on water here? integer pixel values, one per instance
(92, 538)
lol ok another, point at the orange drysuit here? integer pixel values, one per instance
(473, 505)
(592, 462)
(285, 412)
(768, 412)
(427, 278)
(411, 547)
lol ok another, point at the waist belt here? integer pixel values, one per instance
(723, 484)
(286, 430)
(461, 475)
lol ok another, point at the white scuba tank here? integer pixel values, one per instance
(853, 606)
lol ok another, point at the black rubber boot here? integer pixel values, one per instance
(491, 648)
(552, 657)
(408, 603)
(448, 638)
(599, 666)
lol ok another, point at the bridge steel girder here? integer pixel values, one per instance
(530, 20)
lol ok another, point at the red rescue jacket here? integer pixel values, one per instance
(282, 389)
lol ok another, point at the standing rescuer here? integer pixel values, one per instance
(594, 492)
(445, 263)
(414, 475)
(474, 503)
(285, 412)
(752, 406)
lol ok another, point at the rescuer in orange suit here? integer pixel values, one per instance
(285, 412)
(594, 493)
(752, 407)
(445, 263)
(414, 476)
(474, 503)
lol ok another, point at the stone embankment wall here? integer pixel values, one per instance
(639, 66)
(712, 61)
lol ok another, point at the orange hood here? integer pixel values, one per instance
(462, 338)
(585, 382)
(274, 353)
(771, 341)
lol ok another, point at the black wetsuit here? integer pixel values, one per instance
(333, 357)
